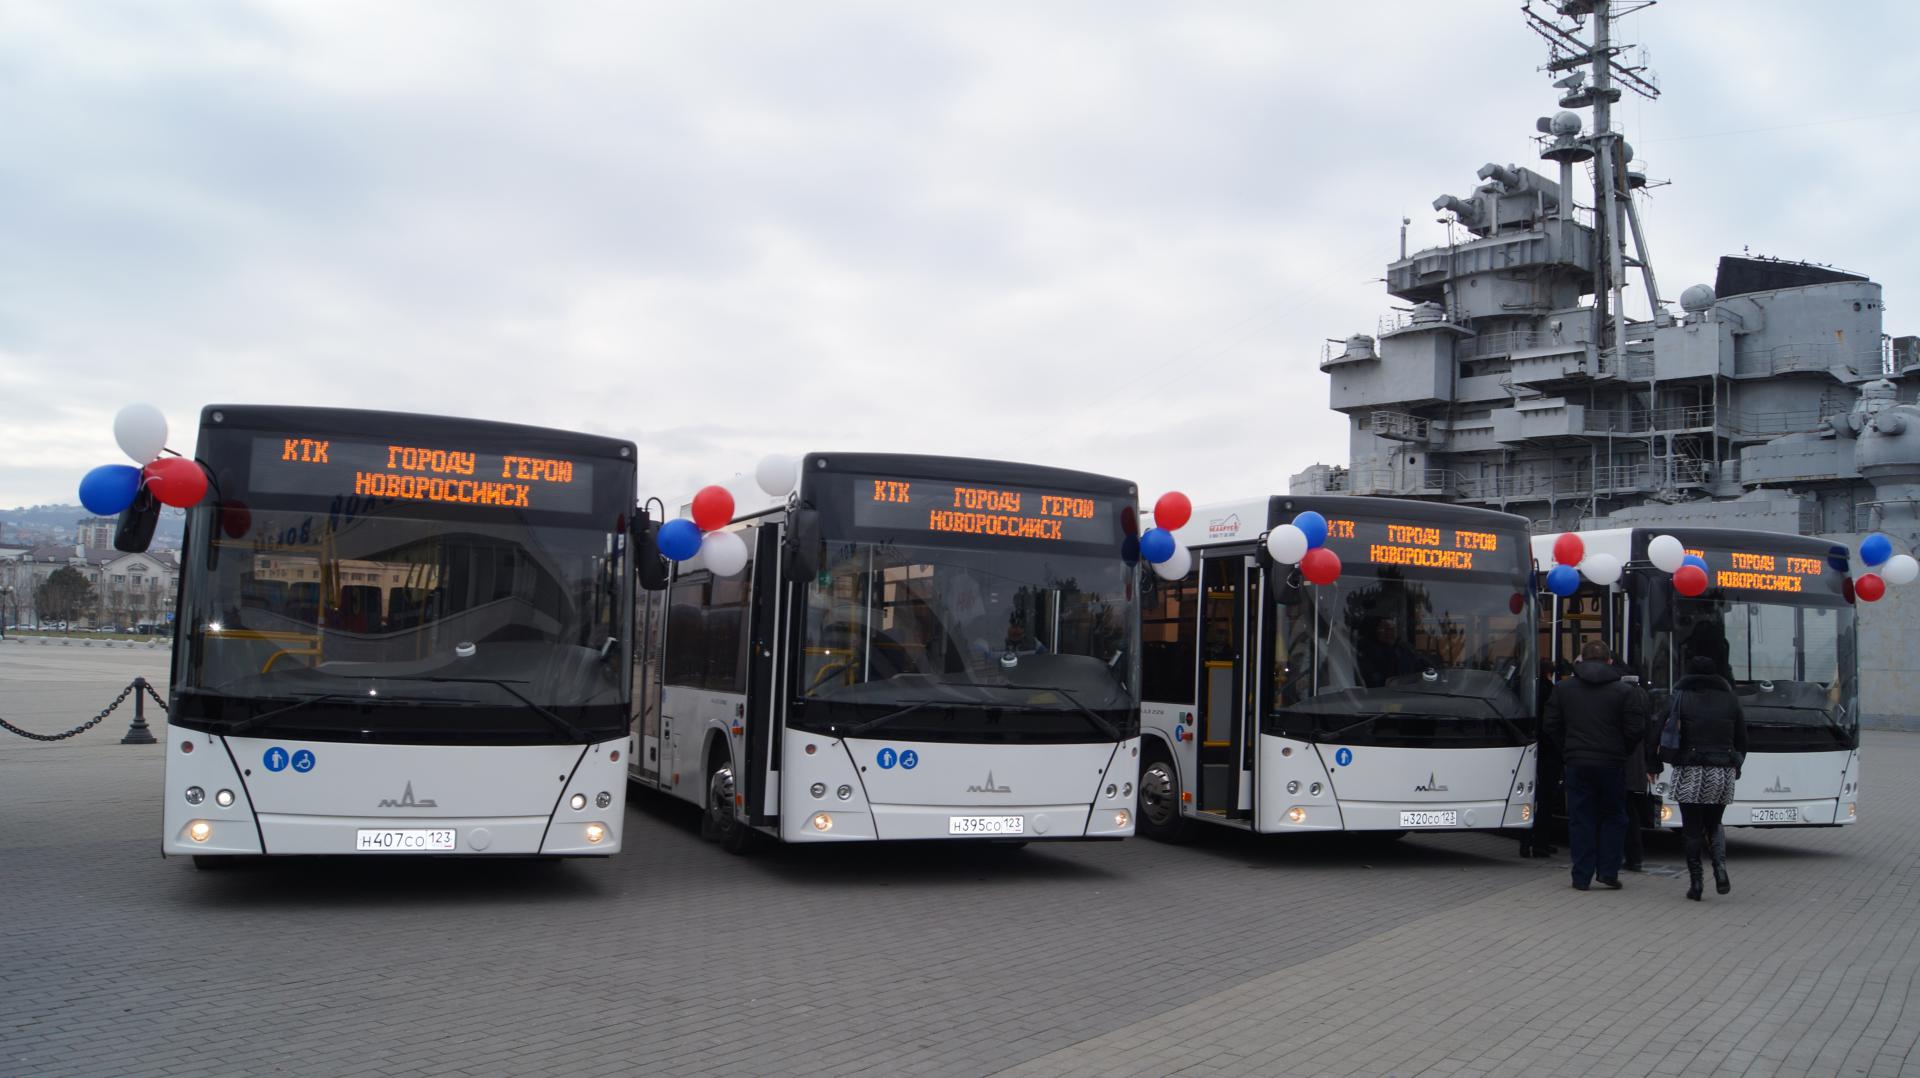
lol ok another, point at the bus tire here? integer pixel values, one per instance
(718, 823)
(1157, 808)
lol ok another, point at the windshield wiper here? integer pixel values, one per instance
(559, 723)
(1094, 717)
(874, 724)
(240, 728)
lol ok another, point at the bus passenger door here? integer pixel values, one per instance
(644, 764)
(1222, 791)
(759, 772)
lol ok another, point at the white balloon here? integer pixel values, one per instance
(724, 553)
(1175, 567)
(1900, 569)
(1287, 544)
(141, 431)
(1602, 569)
(1666, 553)
(776, 474)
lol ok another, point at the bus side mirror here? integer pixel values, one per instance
(648, 565)
(1283, 581)
(134, 533)
(803, 542)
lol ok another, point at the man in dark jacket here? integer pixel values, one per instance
(1596, 720)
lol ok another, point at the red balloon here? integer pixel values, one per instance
(1569, 550)
(176, 481)
(1172, 511)
(712, 508)
(1870, 587)
(1320, 566)
(1690, 580)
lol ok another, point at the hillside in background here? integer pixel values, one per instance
(57, 524)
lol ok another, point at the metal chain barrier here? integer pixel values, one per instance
(137, 734)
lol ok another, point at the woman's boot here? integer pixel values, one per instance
(1693, 875)
(1721, 883)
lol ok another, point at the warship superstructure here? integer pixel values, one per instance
(1516, 378)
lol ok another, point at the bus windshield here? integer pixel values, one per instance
(1385, 654)
(385, 626)
(950, 641)
(1791, 664)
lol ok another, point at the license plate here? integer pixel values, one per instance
(1791, 815)
(410, 840)
(1431, 818)
(986, 825)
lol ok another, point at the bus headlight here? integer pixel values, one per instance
(1126, 790)
(843, 792)
(603, 799)
(1314, 789)
(1112, 790)
(596, 832)
(579, 801)
(195, 795)
(1666, 813)
(1296, 814)
(224, 798)
(199, 830)
(1122, 818)
(1293, 786)
(818, 790)
(1853, 810)
(1526, 813)
(822, 822)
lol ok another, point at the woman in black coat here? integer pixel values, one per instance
(1713, 746)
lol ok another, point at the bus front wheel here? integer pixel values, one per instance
(1159, 803)
(719, 824)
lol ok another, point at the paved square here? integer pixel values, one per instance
(1439, 955)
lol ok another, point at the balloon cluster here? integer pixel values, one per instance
(1304, 543)
(1170, 560)
(1571, 561)
(722, 552)
(142, 433)
(1876, 551)
(1669, 555)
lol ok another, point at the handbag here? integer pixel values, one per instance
(1670, 733)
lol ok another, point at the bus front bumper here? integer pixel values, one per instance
(1813, 812)
(300, 835)
(1401, 816)
(979, 822)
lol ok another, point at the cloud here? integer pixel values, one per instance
(1106, 235)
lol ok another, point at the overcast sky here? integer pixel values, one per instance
(1105, 235)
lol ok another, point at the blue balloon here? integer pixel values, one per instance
(1563, 580)
(1315, 526)
(679, 539)
(109, 489)
(1156, 545)
(1875, 549)
(1695, 559)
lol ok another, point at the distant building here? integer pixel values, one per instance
(131, 589)
(96, 531)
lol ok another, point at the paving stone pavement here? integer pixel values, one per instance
(1439, 955)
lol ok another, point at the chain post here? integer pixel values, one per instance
(138, 733)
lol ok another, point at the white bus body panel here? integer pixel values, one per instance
(1057, 790)
(689, 720)
(1484, 787)
(498, 799)
(1817, 787)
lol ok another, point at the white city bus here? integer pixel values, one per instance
(1398, 698)
(400, 634)
(1777, 619)
(918, 648)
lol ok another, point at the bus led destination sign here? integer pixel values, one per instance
(980, 509)
(1753, 571)
(490, 479)
(1423, 546)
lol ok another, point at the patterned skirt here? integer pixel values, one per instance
(1697, 785)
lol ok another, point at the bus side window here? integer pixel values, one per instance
(726, 627)
(1169, 641)
(685, 663)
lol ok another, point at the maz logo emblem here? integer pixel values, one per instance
(407, 802)
(989, 788)
(1779, 787)
(1433, 786)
